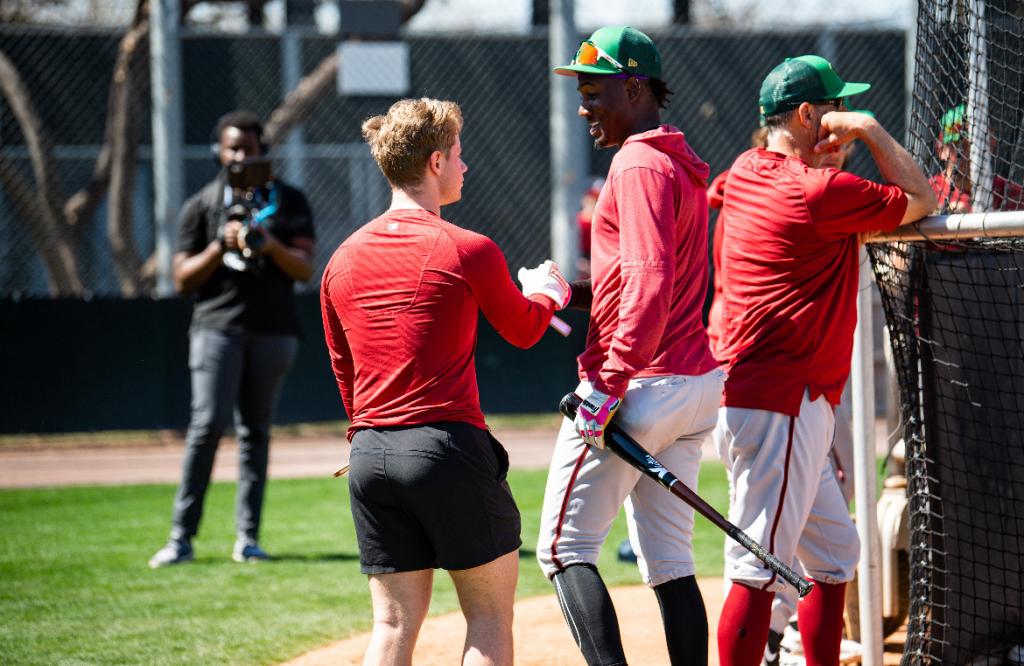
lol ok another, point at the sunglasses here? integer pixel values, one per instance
(590, 53)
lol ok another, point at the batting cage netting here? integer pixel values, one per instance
(955, 312)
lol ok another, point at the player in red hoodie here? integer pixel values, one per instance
(646, 351)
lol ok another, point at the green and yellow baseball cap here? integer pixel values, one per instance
(615, 50)
(807, 78)
(953, 126)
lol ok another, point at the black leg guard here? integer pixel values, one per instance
(588, 610)
(685, 620)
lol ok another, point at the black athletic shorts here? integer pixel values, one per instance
(430, 496)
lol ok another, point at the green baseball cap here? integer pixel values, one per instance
(615, 50)
(953, 126)
(807, 78)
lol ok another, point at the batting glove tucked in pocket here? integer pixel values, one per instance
(545, 279)
(596, 410)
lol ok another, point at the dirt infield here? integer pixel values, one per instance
(541, 636)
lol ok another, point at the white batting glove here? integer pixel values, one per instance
(545, 279)
(593, 416)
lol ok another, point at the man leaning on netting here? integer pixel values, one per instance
(789, 276)
(244, 240)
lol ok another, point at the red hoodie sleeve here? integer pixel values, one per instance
(520, 320)
(646, 204)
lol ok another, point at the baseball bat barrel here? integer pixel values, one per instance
(619, 442)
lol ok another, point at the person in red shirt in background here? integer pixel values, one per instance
(716, 197)
(789, 269)
(583, 221)
(646, 350)
(952, 185)
(400, 301)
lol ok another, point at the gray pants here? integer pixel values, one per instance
(236, 374)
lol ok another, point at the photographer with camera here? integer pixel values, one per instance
(244, 240)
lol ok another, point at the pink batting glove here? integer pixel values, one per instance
(595, 412)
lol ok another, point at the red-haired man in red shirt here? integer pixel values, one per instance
(789, 268)
(400, 301)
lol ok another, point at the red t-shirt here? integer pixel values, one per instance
(789, 270)
(400, 301)
(716, 197)
(649, 266)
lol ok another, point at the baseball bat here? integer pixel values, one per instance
(620, 443)
(560, 325)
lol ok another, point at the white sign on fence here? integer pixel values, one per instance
(373, 68)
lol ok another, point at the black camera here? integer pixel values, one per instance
(247, 179)
(249, 174)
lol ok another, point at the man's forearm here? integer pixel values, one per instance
(296, 262)
(896, 166)
(582, 295)
(192, 271)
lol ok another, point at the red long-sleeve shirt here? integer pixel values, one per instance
(400, 301)
(649, 265)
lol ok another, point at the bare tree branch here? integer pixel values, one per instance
(313, 87)
(61, 270)
(46, 224)
(299, 102)
(124, 129)
(411, 8)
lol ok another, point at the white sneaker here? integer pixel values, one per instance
(850, 652)
(248, 550)
(791, 640)
(175, 552)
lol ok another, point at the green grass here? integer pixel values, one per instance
(329, 429)
(75, 587)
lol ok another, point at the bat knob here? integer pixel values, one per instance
(569, 405)
(804, 588)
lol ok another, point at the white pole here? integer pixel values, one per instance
(869, 586)
(291, 74)
(957, 226)
(568, 140)
(977, 111)
(168, 164)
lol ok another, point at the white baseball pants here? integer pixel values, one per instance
(784, 495)
(669, 416)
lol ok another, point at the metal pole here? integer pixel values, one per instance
(291, 74)
(568, 140)
(977, 111)
(869, 587)
(168, 165)
(957, 226)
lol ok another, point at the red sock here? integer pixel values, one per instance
(820, 618)
(743, 626)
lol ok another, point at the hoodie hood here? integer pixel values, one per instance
(669, 140)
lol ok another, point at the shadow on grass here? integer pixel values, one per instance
(314, 557)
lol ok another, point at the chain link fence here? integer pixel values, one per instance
(76, 184)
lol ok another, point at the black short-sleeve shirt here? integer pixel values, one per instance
(260, 299)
